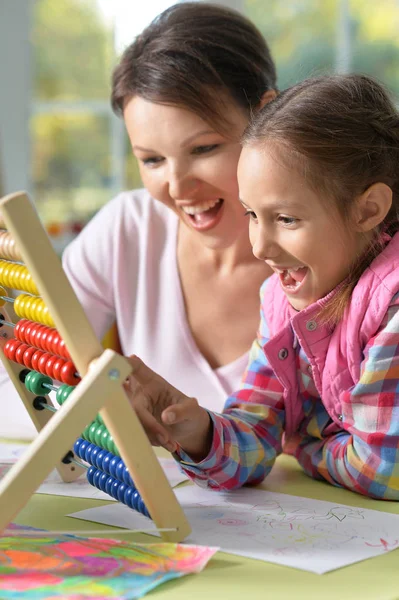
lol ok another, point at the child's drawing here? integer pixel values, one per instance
(298, 532)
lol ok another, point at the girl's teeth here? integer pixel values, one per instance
(199, 208)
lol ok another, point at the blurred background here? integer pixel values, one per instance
(58, 137)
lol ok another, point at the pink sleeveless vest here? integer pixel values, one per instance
(335, 355)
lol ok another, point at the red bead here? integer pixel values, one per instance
(43, 339)
(35, 360)
(41, 364)
(29, 331)
(27, 357)
(51, 335)
(19, 353)
(50, 365)
(37, 334)
(19, 330)
(10, 349)
(68, 374)
(57, 366)
(62, 349)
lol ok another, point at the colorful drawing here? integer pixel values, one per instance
(303, 533)
(77, 568)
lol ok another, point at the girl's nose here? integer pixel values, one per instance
(264, 247)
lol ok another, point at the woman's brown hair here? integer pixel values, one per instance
(196, 55)
(342, 134)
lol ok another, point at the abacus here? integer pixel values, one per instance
(54, 340)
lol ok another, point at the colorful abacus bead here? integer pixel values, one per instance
(41, 337)
(37, 383)
(33, 308)
(118, 490)
(55, 367)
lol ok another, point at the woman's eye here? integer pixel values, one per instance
(287, 220)
(152, 161)
(205, 149)
(251, 215)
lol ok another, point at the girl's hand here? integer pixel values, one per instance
(169, 417)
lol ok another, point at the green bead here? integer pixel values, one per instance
(34, 383)
(98, 435)
(27, 381)
(112, 446)
(63, 393)
(86, 433)
(104, 439)
(92, 431)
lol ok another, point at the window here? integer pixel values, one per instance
(80, 154)
(79, 148)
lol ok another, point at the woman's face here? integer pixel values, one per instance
(191, 168)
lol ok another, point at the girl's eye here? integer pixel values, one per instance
(152, 161)
(287, 220)
(251, 215)
(205, 149)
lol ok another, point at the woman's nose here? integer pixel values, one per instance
(182, 184)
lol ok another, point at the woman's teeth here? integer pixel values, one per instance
(199, 208)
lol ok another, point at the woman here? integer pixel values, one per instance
(172, 263)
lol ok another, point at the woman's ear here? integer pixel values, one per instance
(372, 207)
(267, 97)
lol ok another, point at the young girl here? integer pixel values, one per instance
(319, 180)
(172, 263)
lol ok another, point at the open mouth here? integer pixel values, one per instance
(205, 215)
(292, 279)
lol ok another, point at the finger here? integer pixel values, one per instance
(140, 372)
(157, 434)
(185, 411)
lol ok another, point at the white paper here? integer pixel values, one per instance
(303, 533)
(80, 488)
(10, 453)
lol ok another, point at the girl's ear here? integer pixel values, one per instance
(266, 98)
(372, 207)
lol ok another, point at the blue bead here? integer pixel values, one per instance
(119, 470)
(89, 450)
(121, 492)
(102, 480)
(108, 485)
(100, 458)
(106, 460)
(114, 489)
(96, 478)
(113, 464)
(128, 497)
(83, 449)
(94, 453)
(90, 475)
(126, 477)
(76, 446)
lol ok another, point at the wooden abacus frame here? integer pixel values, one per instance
(100, 390)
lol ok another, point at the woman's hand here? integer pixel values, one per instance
(169, 417)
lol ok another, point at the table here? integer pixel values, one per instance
(237, 578)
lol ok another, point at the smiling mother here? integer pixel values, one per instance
(172, 263)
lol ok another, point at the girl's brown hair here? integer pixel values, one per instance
(342, 134)
(196, 55)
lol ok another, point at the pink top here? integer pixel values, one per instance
(123, 267)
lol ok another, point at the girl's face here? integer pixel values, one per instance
(188, 166)
(297, 233)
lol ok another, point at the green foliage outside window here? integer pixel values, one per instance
(73, 55)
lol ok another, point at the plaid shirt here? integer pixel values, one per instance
(248, 434)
